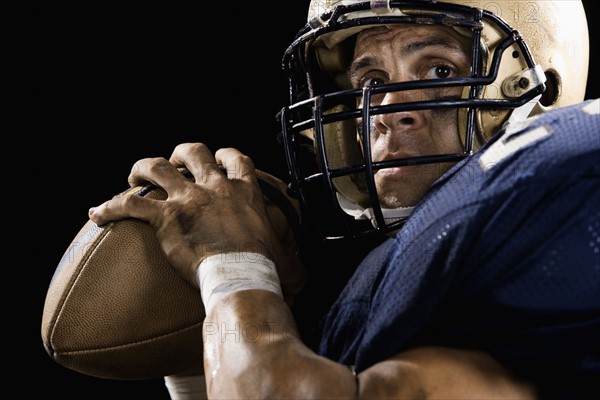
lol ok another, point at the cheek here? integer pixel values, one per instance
(378, 145)
(375, 135)
(445, 130)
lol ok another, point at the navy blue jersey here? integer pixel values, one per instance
(502, 255)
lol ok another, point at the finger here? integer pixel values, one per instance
(236, 164)
(157, 171)
(199, 160)
(131, 206)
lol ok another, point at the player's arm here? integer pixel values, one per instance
(252, 350)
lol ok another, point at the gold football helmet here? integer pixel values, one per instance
(527, 57)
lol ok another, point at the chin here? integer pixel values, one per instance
(399, 198)
(396, 193)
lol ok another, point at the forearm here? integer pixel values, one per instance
(252, 350)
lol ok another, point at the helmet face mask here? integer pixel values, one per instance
(333, 121)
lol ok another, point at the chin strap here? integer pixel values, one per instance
(390, 215)
(517, 85)
(522, 113)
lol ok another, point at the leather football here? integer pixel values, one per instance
(116, 309)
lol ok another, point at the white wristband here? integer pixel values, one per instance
(221, 274)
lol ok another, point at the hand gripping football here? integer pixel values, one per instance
(116, 309)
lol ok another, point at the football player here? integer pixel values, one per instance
(458, 130)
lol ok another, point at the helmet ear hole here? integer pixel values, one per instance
(552, 92)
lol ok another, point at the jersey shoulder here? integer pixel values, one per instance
(556, 136)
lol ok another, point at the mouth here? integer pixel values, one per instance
(401, 157)
(397, 171)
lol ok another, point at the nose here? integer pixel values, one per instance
(403, 120)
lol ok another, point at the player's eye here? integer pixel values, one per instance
(373, 81)
(440, 72)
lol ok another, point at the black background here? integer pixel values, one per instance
(97, 88)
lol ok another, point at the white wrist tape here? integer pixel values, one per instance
(221, 274)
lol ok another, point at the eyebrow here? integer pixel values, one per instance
(411, 47)
(431, 42)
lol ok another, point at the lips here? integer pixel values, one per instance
(396, 156)
(396, 171)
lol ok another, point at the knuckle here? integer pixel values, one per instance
(192, 148)
(129, 203)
